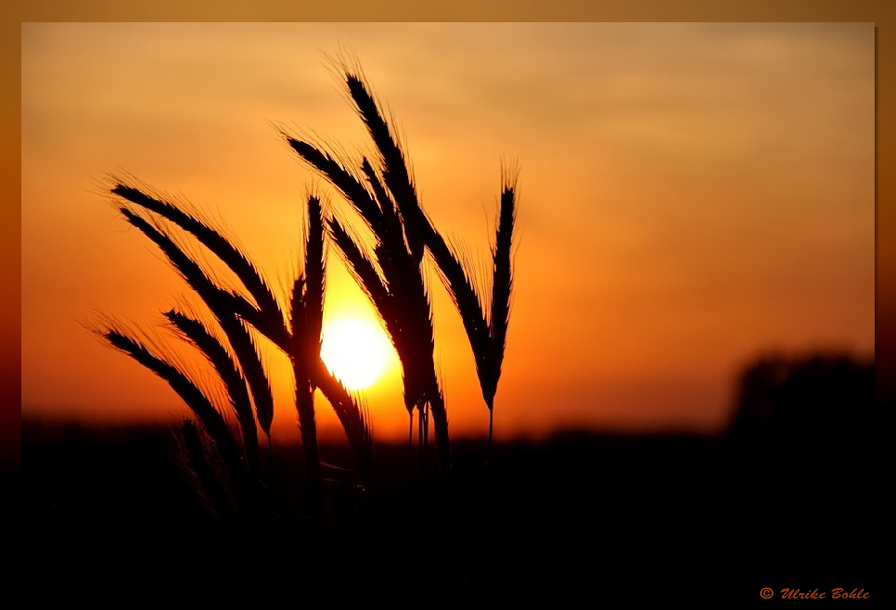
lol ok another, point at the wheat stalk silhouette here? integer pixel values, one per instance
(383, 193)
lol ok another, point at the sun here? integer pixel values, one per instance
(355, 350)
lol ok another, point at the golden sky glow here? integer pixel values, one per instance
(691, 195)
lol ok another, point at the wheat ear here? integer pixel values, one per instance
(198, 334)
(195, 399)
(272, 323)
(220, 302)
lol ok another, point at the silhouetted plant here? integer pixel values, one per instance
(386, 199)
(212, 452)
(392, 210)
(232, 311)
(198, 334)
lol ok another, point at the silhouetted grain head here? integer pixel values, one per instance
(199, 335)
(391, 236)
(414, 342)
(303, 365)
(462, 289)
(298, 354)
(387, 206)
(399, 295)
(303, 377)
(402, 304)
(223, 248)
(413, 335)
(364, 271)
(215, 297)
(502, 286)
(348, 184)
(386, 305)
(194, 398)
(396, 173)
(297, 351)
(271, 326)
(313, 299)
(220, 302)
(405, 280)
(246, 350)
(486, 329)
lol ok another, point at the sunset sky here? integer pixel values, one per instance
(692, 195)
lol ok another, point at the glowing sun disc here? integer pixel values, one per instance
(355, 350)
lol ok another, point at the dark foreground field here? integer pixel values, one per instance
(664, 518)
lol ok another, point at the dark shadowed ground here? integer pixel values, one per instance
(579, 512)
(781, 501)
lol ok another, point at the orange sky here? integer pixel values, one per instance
(691, 195)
